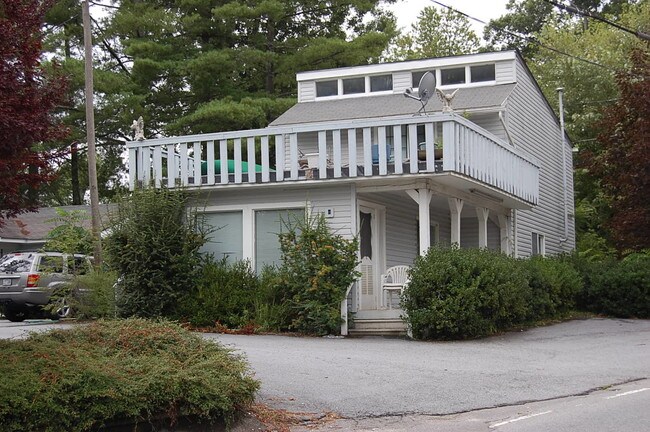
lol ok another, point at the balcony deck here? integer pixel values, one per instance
(339, 151)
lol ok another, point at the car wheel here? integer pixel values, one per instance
(61, 309)
(15, 314)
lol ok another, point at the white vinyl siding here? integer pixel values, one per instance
(306, 91)
(534, 128)
(401, 81)
(491, 123)
(505, 71)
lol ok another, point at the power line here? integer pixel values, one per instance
(529, 39)
(597, 17)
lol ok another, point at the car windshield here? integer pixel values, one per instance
(16, 263)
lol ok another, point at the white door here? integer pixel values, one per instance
(370, 258)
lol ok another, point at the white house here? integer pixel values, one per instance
(496, 172)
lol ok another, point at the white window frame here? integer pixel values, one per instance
(248, 220)
(541, 244)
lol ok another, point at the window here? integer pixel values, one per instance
(434, 235)
(452, 76)
(226, 239)
(539, 244)
(416, 77)
(381, 83)
(268, 224)
(78, 265)
(327, 88)
(354, 85)
(482, 73)
(51, 264)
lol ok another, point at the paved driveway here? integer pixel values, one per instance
(375, 376)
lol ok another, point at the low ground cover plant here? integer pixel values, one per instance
(92, 375)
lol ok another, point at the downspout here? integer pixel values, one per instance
(560, 93)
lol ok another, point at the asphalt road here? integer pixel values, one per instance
(381, 377)
(590, 375)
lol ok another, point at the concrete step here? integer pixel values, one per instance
(378, 327)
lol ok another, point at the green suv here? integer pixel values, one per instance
(28, 280)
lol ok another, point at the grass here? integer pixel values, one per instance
(107, 371)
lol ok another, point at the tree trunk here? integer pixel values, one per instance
(74, 174)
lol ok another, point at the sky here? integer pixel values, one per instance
(485, 10)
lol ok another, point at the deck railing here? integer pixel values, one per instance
(335, 150)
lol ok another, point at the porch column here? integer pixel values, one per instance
(423, 198)
(482, 214)
(455, 208)
(505, 225)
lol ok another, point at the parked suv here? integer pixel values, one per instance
(28, 280)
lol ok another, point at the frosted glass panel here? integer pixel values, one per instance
(268, 224)
(226, 239)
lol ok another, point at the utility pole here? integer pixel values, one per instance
(90, 134)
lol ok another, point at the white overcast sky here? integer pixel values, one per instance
(407, 11)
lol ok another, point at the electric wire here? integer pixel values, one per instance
(529, 39)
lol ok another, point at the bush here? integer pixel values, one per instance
(464, 293)
(96, 297)
(225, 293)
(86, 377)
(317, 269)
(621, 289)
(554, 284)
(154, 246)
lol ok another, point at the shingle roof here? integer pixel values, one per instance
(35, 225)
(390, 105)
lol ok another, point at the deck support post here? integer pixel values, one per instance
(482, 214)
(455, 208)
(423, 198)
(505, 225)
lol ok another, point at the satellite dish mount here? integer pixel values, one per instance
(426, 89)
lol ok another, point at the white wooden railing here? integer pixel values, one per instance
(342, 149)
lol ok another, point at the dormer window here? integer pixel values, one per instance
(416, 77)
(452, 76)
(381, 83)
(327, 88)
(354, 85)
(482, 73)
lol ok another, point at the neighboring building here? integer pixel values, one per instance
(495, 173)
(28, 231)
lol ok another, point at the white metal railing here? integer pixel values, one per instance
(341, 149)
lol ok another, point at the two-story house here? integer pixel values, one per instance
(495, 173)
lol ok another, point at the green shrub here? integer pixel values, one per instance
(554, 284)
(464, 293)
(620, 289)
(318, 266)
(97, 300)
(225, 293)
(154, 246)
(83, 378)
(272, 312)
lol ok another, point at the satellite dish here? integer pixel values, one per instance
(426, 89)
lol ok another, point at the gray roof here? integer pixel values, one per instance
(35, 225)
(467, 98)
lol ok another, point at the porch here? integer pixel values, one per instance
(395, 224)
(357, 151)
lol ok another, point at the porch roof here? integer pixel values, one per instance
(467, 98)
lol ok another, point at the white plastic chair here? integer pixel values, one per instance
(394, 280)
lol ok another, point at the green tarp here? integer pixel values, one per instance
(231, 167)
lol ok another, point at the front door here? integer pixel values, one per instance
(371, 257)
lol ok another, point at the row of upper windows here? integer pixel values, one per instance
(381, 83)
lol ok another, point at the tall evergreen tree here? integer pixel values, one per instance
(435, 34)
